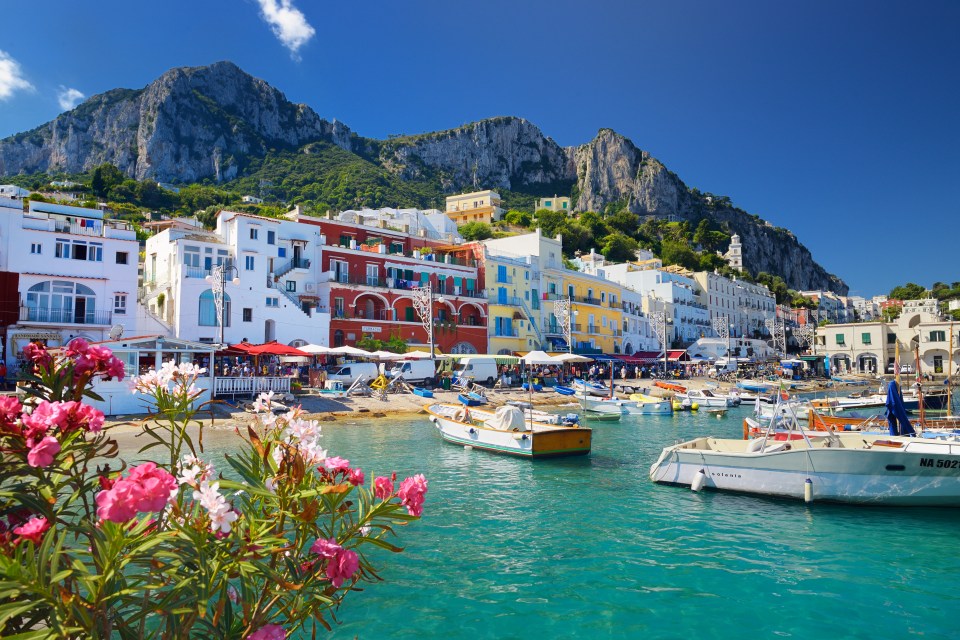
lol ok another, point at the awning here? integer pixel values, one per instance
(678, 356)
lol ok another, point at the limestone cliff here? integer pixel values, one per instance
(189, 124)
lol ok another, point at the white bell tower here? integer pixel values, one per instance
(735, 253)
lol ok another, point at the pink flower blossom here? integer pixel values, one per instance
(411, 494)
(33, 530)
(38, 354)
(325, 548)
(336, 464)
(10, 409)
(147, 488)
(342, 566)
(42, 453)
(355, 477)
(76, 347)
(382, 487)
(99, 360)
(268, 632)
(65, 416)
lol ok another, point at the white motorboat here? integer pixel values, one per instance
(647, 406)
(509, 431)
(585, 387)
(705, 398)
(838, 466)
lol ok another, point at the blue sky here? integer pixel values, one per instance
(837, 120)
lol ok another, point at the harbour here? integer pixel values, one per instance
(588, 546)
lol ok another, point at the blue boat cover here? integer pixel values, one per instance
(896, 413)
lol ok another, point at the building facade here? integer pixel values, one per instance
(478, 206)
(556, 203)
(74, 272)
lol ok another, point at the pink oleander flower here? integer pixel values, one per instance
(65, 416)
(147, 488)
(325, 548)
(33, 530)
(268, 632)
(10, 409)
(382, 487)
(336, 464)
(412, 491)
(218, 509)
(76, 347)
(42, 453)
(355, 477)
(38, 354)
(342, 566)
(99, 360)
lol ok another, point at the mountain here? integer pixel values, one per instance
(218, 123)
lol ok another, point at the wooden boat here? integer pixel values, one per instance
(564, 391)
(602, 416)
(755, 386)
(508, 431)
(705, 398)
(423, 393)
(670, 386)
(471, 399)
(644, 405)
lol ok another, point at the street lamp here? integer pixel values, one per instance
(423, 304)
(218, 278)
(564, 315)
(660, 322)
(722, 326)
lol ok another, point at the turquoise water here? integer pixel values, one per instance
(589, 548)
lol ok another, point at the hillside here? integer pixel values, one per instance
(219, 125)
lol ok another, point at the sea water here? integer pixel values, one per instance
(589, 547)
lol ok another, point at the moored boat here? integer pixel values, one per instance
(508, 431)
(564, 391)
(590, 388)
(705, 398)
(670, 386)
(471, 399)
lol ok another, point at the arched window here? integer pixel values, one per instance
(463, 347)
(62, 301)
(207, 316)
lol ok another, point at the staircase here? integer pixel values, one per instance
(533, 323)
(287, 267)
(292, 298)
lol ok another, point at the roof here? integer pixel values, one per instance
(57, 275)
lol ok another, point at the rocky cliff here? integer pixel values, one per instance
(209, 122)
(189, 124)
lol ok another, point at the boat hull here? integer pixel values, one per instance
(919, 474)
(544, 441)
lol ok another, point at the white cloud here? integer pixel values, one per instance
(287, 23)
(69, 98)
(11, 77)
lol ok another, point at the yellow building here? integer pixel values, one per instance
(597, 310)
(556, 203)
(513, 304)
(479, 206)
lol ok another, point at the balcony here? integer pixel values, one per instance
(65, 316)
(506, 332)
(587, 300)
(503, 279)
(397, 284)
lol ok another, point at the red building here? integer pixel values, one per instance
(373, 273)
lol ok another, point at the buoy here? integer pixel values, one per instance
(808, 490)
(694, 406)
(677, 406)
(698, 481)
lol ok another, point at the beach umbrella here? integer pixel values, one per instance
(571, 357)
(349, 351)
(419, 355)
(315, 349)
(385, 355)
(539, 357)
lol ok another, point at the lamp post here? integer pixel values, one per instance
(218, 278)
(423, 304)
(722, 326)
(660, 322)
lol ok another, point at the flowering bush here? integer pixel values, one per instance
(92, 547)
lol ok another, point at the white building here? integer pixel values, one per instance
(251, 200)
(274, 290)
(76, 274)
(638, 333)
(719, 294)
(13, 191)
(432, 224)
(734, 254)
(756, 304)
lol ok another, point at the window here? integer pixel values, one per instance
(291, 285)
(891, 338)
(249, 262)
(120, 304)
(281, 252)
(273, 302)
(865, 338)
(207, 316)
(79, 250)
(840, 340)
(247, 314)
(271, 237)
(122, 257)
(129, 360)
(338, 308)
(35, 248)
(253, 233)
(938, 336)
(62, 301)
(373, 275)
(191, 256)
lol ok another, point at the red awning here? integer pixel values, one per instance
(272, 348)
(678, 356)
(643, 356)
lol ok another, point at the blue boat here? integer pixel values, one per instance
(471, 399)
(565, 391)
(536, 387)
(423, 393)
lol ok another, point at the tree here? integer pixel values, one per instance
(592, 221)
(105, 177)
(476, 231)
(519, 218)
(626, 222)
(909, 291)
(550, 221)
(369, 343)
(618, 247)
(673, 252)
(396, 344)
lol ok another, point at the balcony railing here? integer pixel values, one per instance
(397, 284)
(64, 316)
(506, 332)
(504, 279)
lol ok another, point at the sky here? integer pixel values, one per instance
(834, 119)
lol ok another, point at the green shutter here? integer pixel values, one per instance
(408, 314)
(424, 276)
(457, 281)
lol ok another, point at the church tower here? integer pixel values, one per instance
(735, 253)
